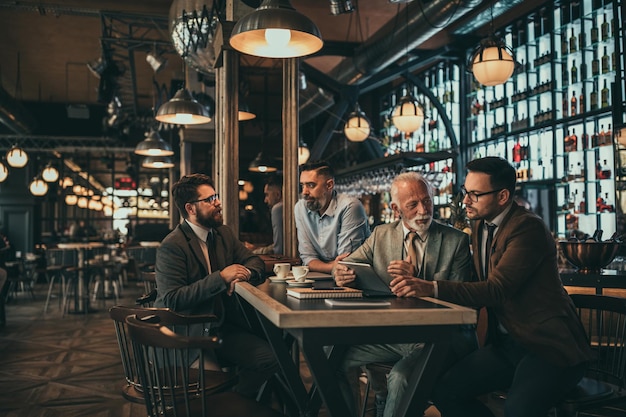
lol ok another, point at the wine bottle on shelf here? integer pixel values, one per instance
(573, 141)
(594, 29)
(581, 104)
(563, 44)
(604, 29)
(608, 136)
(565, 76)
(593, 98)
(581, 40)
(574, 72)
(605, 61)
(517, 152)
(573, 104)
(601, 137)
(604, 95)
(567, 143)
(565, 105)
(583, 71)
(595, 64)
(582, 206)
(572, 42)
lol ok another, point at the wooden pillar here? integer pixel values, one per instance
(291, 134)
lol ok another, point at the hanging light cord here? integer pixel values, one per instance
(443, 25)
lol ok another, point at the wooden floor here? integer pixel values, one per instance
(70, 366)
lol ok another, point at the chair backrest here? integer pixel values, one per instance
(604, 320)
(180, 323)
(54, 257)
(170, 386)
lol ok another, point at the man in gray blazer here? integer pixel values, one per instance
(414, 246)
(197, 267)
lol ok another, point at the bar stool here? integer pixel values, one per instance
(106, 281)
(54, 271)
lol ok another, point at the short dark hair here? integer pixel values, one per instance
(320, 167)
(501, 172)
(275, 181)
(186, 190)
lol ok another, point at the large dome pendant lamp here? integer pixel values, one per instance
(154, 145)
(183, 109)
(276, 30)
(492, 62)
(408, 115)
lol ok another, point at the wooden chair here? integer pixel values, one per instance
(604, 319)
(132, 390)
(171, 388)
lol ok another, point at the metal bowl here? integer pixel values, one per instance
(589, 256)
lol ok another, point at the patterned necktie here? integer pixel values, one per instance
(411, 250)
(491, 228)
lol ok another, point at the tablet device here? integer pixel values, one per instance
(368, 280)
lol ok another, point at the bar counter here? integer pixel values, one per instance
(606, 278)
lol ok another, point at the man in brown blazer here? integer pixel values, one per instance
(536, 346)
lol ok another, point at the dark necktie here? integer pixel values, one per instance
(491, 228)
(210, 244)
(411, 250)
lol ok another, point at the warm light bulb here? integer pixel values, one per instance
(38, 187)
(277, 38)
(182, 119)
(50, 174)
(357, 129)
(262, 168)
(71, 199)
(4, 172)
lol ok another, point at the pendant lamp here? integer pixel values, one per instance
(183, 109)
(276, 30)
(4, 172)
(261, 164)
(357, 128)
(71, 199)
(50, 174)
(493, 62)
(244, 112)
(38, 187)
(154, 145)
(408, 115)
(303, 153)
(17, 157)
(157, 162)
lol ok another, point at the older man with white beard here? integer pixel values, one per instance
(413, 246)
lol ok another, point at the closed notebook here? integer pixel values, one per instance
(310, 293)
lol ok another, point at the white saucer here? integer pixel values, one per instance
(274, 278)
(294, 283)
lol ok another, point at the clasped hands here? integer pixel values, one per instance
(403, 283)
(233, 274)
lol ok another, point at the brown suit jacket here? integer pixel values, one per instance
(524, 289)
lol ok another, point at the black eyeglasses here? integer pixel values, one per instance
(210, 199)
(473, 195)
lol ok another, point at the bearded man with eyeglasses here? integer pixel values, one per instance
(197, 267)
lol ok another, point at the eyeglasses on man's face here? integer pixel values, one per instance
(210, 199)
(473, 195)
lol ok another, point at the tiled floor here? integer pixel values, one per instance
(70, 366)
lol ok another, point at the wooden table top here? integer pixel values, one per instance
(271, 300)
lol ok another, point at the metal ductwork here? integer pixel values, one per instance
(14, 116)
(387, 46)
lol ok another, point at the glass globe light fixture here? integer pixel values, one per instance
(50, 174)
(4, 172)
(408, 115)
(492, 63)
(17, 157)
(38, 187)
(71, 199)
(357, 127)
(303, 153)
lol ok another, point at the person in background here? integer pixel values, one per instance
(442, 254)
(197, 267)
(329, 225)
(536, 347)
(273, 191)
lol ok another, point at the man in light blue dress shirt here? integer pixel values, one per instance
(330, 226)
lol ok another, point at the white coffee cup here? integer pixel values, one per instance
(300, 273)
(281, 270)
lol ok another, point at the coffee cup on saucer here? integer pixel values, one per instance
(300, 273)
(281, 270)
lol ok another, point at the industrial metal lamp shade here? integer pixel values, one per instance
(183, 109)
(492, 63)
(154, 145)
(357, 128)
(17, 157)
(4, 172)
(244, 112)
(157, 162)
(408, 115)
(261, 164)
(38, 187)
(50, 174)
(276, 30)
